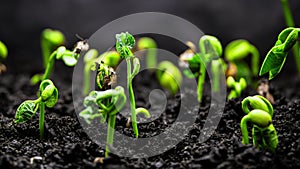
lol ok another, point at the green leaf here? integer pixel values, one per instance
(60, 52)
(49, 93)
(124, 43)
(25, 111)
(237, 49)
(210, 46)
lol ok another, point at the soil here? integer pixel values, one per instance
(66, 145)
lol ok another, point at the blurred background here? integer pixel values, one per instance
(21, 23)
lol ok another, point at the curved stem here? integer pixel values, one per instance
(42, 120)
(49, 66)
(151, 58)
(244, 121)
(131, 98)
(46, 51)
(143, 111)
(254, 60)
(245, 104)
(110, 133)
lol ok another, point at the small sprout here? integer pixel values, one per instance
(124, 44)
(275, 58)
(150, 45)
(106, 77)
(263, 90)
(236, 87)
(3, 55)
(104, 105)
(238, 50)
(169, 76)
(50, 40)
(263, 132)
(48, 96)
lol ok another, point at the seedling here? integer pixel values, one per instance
(236, 87)
(3, 55)
(104, 105)
(290, 23)
(69, 58)
(238, 50)
(48, 96)
(169, 76)
(264, 135)
(124, 43)
(275, 58)
(210, 50)
(149, 45)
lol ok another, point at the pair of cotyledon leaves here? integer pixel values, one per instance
(276, 57)
(48, 96)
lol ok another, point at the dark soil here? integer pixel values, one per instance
(67, 145)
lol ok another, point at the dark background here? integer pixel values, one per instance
(21, 22)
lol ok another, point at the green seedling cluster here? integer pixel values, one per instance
(264, 135)
(48, 96)
(236, 87)
(3, 55)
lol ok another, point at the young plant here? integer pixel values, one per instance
(236, 87)
(48, 96)
(238, 50)
(124, 43)
(210, 50)
(104, 105)
(263, 132)
(61, 53)
(3, 55)
(275, 58)
(169, 76)
(290, 23)
(149, 45)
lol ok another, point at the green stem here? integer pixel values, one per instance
(131, 98)
(254, 60)
(245, 104)
(151, 58)
(86, 82)
(110, 133)
(290, 23)
(49, 66)
(42, 120)
(216, 67)
(46, 51)
(201, 80)
(244, 121)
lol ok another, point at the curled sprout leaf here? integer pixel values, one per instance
(276, 57)
(210, 46)
(124, 43)
(26, 111)
(263, 132)
(49, 93)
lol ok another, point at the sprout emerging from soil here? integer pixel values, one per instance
(105, 105)
(169, 76)
(275, 58)
(48, 96)
(124, 44)
(263, 132)
(238, 50)
(149, 45)
(236, 87)
(210, 52)
(3, 55)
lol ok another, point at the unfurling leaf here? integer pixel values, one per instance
(25, 111)
(49, 93)
(124, 43)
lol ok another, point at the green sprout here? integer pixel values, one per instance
(124, 44)
(106, 77)
(169, 76)
(150, 45)
(236, 51)
(210, 50)
(290, 23)
(276, 57)
(3, 55)
(105, 105)
(264, 134)
(48, 96)
(236, 87)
